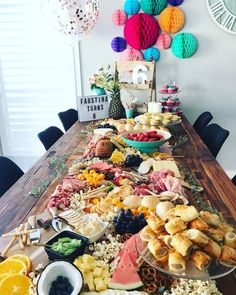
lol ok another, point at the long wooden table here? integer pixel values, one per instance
(17, 205)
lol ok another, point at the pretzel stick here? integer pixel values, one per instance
(28, 242)
(24, 237)
(4, 252)
(20, 241)
(19, 233)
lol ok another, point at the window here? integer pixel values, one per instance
(37, 77)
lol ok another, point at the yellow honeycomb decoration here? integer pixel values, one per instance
(172, 20)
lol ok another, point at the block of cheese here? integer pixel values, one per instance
(103, 131)
(166, 164)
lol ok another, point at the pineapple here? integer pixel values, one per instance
(116, 108)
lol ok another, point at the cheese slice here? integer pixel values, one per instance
(103, 131)
(166, 164)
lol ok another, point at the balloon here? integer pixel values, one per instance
(71, 17)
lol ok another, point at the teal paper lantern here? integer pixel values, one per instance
(184, 45)
(131, 7)
(153, 7)
(152, 54)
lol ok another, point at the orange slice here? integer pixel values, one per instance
(15, 284)
(25, 259)
(13, 266)
(2, 276)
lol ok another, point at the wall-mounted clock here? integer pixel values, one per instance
(223, 13)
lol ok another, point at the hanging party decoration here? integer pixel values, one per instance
(119, 17)
(175, 2)
(153, 7)
(152, 54)
(71, 17)
(172, 20)
(163, 41)
(184, 45)
(118, 44)
(131, 54)
(141, 31)
(132, 7)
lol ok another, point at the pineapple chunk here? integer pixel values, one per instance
(88, 277)
(100, 284)
(105, 273)
(97, 272)
(88, 258)
(85, 267)
(107, 280)
(89, 281)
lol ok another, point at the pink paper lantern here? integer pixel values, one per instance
(130, 54)
(141, 31)
(119, 17)
(163, 41)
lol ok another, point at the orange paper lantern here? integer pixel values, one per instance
(172, 20)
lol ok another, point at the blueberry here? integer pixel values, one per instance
(141, 216)
(115, 219)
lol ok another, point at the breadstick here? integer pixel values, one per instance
(19, 233)
(4, 252)
(24, 237)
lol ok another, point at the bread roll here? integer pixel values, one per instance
(147, 234)
(215, 233)
(210, 218)
(175, 225)
(213, 249)
(150, 202)
(158, 250)
(200, 259)
(162, 208)
(228, 256)
(156, 223)
(181, 244)
(197, 237)
(176, 262)
(133, 201)
(187, 213)
(198, 223)
(230, 240)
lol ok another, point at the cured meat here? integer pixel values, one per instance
(160, 175)
(104, 167)
(173, 185)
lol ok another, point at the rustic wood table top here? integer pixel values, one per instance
(16, 205)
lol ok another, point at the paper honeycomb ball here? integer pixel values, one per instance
(172, 20)
(153, 7)
(119, 17)
(141, 31)
(152, 54)
(132, 7)
(163, 41)
(175, 2)
(130, 54)
(118, 44)
(184, 45)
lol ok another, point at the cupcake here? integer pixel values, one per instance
(170, 102)
(171, 89)
(164, 89)
(177, 102)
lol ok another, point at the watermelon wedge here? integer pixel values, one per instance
(129, 246)
(125, 276)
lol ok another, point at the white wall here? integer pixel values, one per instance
(207, 79)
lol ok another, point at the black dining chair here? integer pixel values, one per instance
(234, 180)
(9, 174)
(68, 118)
(214, 136)
(49, 136)
(202, 121)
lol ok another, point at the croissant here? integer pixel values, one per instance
(198, 223)
(210, 218)
(228, 256)
(175, 225)
(213, 249)
(186, 213)
(200, 259)
(181, 244)
(176, 262)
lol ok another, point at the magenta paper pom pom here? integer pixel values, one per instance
(119, 17)
(118, 44)
(141, 31)
(163, 41)
(130, 54)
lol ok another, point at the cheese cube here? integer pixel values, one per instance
(97, 272)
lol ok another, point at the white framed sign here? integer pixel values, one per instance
(93, 107)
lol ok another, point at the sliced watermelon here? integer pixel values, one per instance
(125, 276)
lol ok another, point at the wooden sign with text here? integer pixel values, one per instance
(94, 107)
